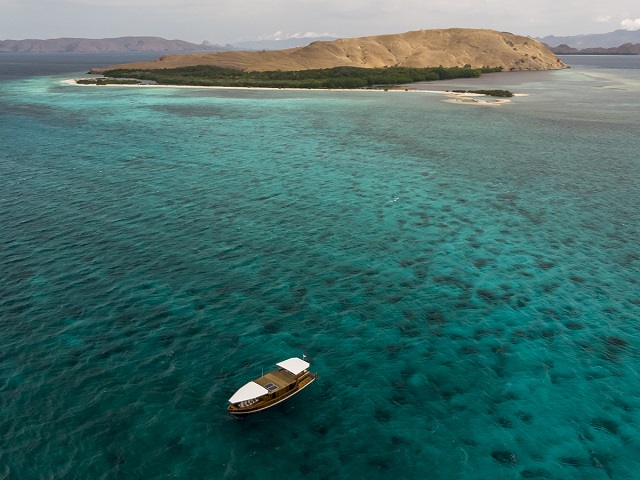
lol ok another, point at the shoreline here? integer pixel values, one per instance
(454, 97)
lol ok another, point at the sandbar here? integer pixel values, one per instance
(454, 97)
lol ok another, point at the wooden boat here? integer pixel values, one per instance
(272, 388)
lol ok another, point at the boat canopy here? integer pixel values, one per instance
(294, 365)
(248, 392)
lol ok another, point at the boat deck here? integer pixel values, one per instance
(280, 378)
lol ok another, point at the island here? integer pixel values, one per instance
(327, 78)
(381, 61)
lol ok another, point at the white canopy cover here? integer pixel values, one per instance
(248, 392)
(294, 365)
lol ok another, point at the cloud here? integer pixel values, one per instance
(631, 25)
(279, 35)
(603, 18)
(313, 35)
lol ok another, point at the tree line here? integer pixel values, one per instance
(326, 78)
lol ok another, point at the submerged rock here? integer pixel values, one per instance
(504, 456)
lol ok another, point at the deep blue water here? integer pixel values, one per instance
(26, 65)
(465, 279)
(624, 62)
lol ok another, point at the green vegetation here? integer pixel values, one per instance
(338, 77)
(491, 93)
(108, 81)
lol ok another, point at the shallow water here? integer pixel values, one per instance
(465, 279)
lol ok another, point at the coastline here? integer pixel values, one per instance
(454, 97)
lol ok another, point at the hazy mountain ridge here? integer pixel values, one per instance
(626, 49)
(114, 45)
(422, 48)
(596, 40)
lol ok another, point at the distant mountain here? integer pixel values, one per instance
(121, 44)
(626, 49)
(423, 48)
(279, 44)
(601, 40)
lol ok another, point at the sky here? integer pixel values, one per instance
(229, 21)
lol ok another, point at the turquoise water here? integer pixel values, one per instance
(465, 279)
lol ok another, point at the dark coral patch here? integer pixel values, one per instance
(469, 350)
(615, 342)
(505, 422)
(605, 424)
(406, 262)
(524, 417)
(270, 326)
(486, 295)
(435, 317)
(420, 272)
(601, 461)
(547, 334)
(381, 463)
(572, 461)
(398, 441)
(544, 265)
(521, 301)
(408, 329)
(481, 262)
(116, 457)
(574, 326)
(382, 416)
(505, 457)
(449, 280)
(319, 428)
(523, 334)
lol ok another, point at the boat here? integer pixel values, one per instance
(272, 388)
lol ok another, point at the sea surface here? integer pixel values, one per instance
(464, 278)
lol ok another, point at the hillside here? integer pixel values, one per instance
(115, 45)
(423, 48)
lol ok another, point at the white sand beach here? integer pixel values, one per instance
(454, 97)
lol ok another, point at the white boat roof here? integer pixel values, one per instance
(294, 365)
(247, 392)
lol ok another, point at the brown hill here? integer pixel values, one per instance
(423, 48)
